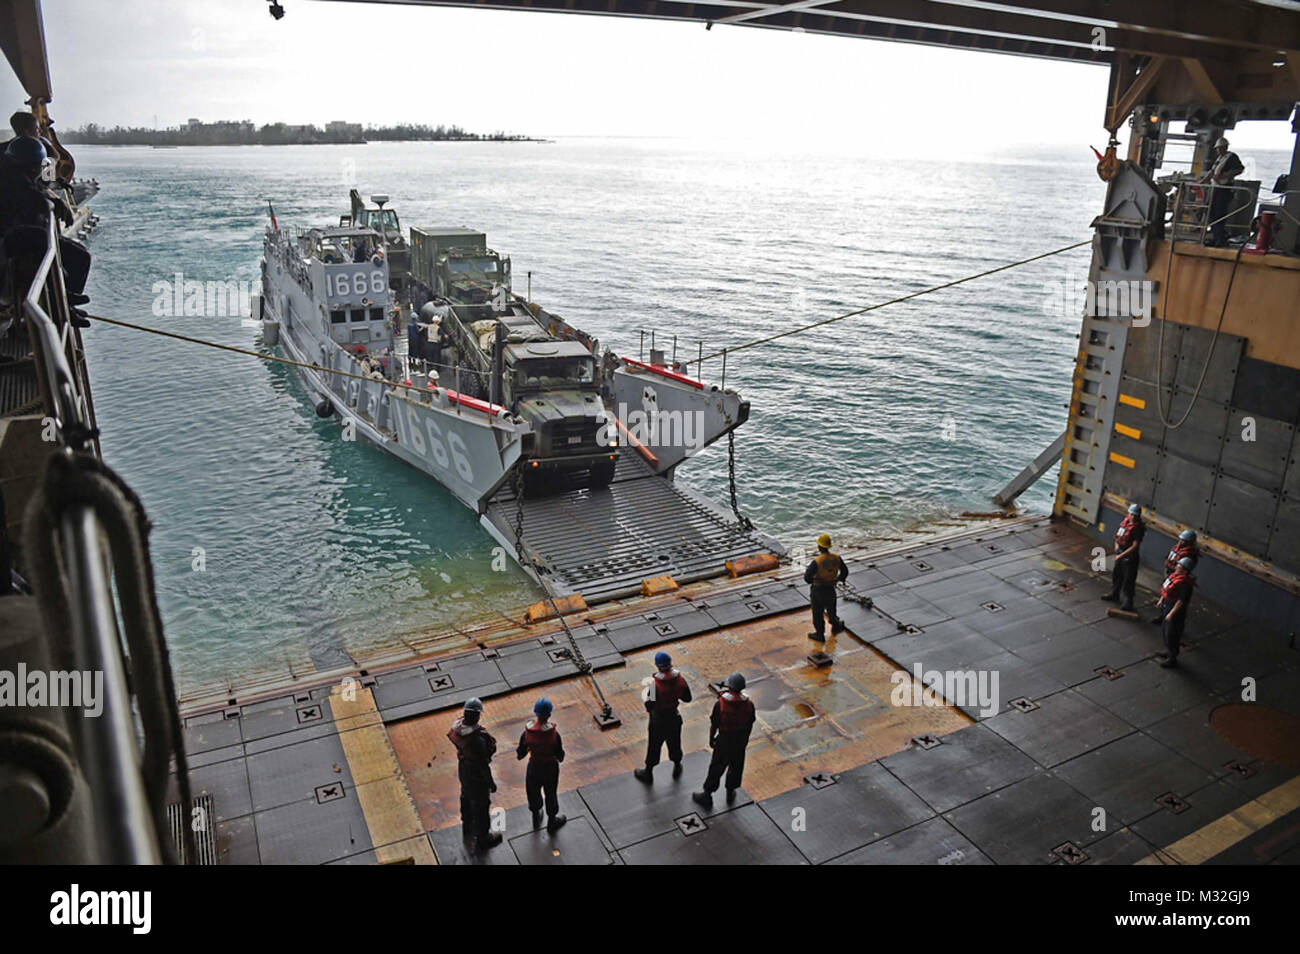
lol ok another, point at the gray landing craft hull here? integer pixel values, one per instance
(466, 450)
(464, 447)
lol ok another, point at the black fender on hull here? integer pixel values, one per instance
(325, 408)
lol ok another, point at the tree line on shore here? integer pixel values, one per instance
(245, 133)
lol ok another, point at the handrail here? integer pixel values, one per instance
(1209, 223)
(664, 372)
(124, 830)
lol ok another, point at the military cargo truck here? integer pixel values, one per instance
(515, 354)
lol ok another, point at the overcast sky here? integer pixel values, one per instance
(137, 62)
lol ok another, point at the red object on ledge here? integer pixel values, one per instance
(664, 372)
(467, 401)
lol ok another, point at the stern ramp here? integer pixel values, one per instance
(603, 543)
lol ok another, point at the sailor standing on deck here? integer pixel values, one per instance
(1175, 595)
(824, 572)
(26, 173)
(1184, 546)
(666, 690)
(1227, 165)
(415, 342)
(1128, 540)
(474, 750)
(729, 727)
(541, 743)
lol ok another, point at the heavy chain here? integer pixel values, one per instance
(519, 514)
(744, 521)
(851, 593)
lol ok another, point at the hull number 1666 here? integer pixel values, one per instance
(359, 284)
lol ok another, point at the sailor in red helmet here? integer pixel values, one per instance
(1184, 546)
(729, 727)
(1175, 595)
(1128, 539)
(474, 750)
(667, 689)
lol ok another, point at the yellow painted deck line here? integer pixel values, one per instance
(1132, 401)
(1220, 835)
(386, 804)
(1128, 462)
(1127, 431)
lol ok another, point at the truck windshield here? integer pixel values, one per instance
(555, 373)
(481, 266)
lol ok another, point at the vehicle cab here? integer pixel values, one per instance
(554, 387)
(470, 276)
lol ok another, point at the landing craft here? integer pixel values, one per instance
(518, 408)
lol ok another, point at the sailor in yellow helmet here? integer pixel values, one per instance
(823, 573)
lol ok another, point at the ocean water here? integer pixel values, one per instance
(279, 547)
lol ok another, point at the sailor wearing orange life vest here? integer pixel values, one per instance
(729, 726)
(1175, 595)
(823, 573)
(1128, 539)
(474, 750)
(1184, 546)
(666, 691)
(541, 743)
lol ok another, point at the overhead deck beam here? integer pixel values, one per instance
(1132, 95)
(22, 36)
(986, 22)
(1206, 30)
(1233, 22)
(1207, 88)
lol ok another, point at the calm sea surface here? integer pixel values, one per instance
(311, 548)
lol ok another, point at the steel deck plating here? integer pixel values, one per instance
(836, 773)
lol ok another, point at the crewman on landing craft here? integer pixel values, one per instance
(1175, 596)
(823, 573)
(666, 691)
(1128, 539)
(474, 750)
(541, 743)
(1184, 546)
(415, 340)
(729, 727)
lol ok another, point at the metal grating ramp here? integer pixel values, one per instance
(201, 821)
(603, 543)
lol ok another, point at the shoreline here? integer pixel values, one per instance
(363, 142)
